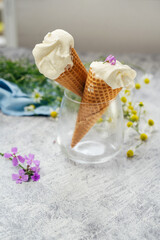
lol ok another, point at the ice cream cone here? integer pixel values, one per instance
(74, 78)
(96, 98)
(57, 60)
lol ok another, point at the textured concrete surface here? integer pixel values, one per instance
(119, 200)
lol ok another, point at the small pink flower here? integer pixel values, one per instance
(35, 177)
(21, 177)
(29, 159)
(111, 59)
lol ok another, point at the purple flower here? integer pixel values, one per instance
(21, 177)
(111, 59)
(14, 150)
(35, 169)
(29, 159)
(21, 159)
(15, 161)
(7, 155)
(35, 177)
(26, 172)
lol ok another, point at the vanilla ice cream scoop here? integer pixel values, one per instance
(53, 55)
(116, 76)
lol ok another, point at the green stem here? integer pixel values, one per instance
(21, 166)
(136, 129)
(139, 114)
(29, 173)
(139, 145)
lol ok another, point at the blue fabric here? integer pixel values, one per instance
(13, 101)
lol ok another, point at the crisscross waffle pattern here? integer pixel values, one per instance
(96, 98)
(74, 78)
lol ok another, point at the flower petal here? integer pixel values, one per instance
(21, 159)
(21, 172)
(38, 169)
(15, 161)
(31, 156)
(14, 150)
(24, 178)
(36, 162)
(26, 157)
(19, 181)
(15, 177)
(29, 162)
(7, 155)
(34, 169)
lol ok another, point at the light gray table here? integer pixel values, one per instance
(117, 200)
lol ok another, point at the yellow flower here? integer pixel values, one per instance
(150, 122)
(143, 136)
(129, 103)
(53, 114)
(124, 99)
(147, 78)
(37, 96)
(100, 120)
(130, 153)
(134, 118)
(137, 85)
(146, 81)
(127, 92)
(134, 112)
(130, 107)
(129, 124)
(141, 104)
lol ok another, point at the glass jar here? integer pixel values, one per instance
(102, 142)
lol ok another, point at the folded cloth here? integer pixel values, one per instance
(13, 101)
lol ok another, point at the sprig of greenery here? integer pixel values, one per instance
(26, 75)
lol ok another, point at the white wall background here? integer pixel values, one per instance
(96, 25)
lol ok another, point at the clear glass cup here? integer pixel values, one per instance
(102, 142)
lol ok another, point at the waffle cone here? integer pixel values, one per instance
(74, 78)
(96, 98)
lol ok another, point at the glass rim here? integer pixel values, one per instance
(75, 101)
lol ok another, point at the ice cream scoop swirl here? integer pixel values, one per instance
(116, 76)
(53, 55)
